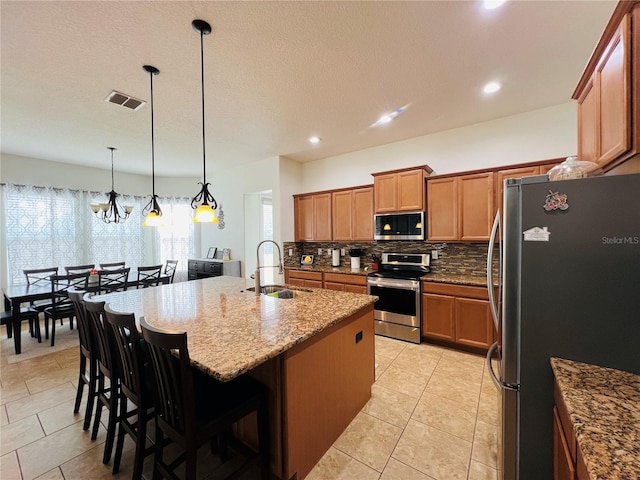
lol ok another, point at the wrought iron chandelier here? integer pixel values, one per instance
(206, 211)
(152, 212)
(112, 211)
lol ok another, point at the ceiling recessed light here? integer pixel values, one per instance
(491, 4)
(491, 87)
(387, 117)
(314, 140)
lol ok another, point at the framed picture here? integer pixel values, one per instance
(212, 252)
(226, 254)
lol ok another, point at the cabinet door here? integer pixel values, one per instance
(304, 218)
(322, 216)
(563, 468)
(473, 325)
(385, 189)
(438, 316)
(442, 206)
(410, 190)
(475, 204)
(503, 175)
(587, 124)
(613, 87)
(362, 214)
(341, 203)
(313, 283)
(355, 288)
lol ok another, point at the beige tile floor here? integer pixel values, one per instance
(432, 416)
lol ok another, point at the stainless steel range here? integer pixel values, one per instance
(397, 313)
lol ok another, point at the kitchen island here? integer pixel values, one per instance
(315, 352)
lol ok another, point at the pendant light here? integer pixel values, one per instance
(112, 211)
(152, 211)
(205, 212)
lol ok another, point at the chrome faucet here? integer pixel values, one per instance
(256, 275)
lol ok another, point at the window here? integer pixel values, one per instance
(49, 227)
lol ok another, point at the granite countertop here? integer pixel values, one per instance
(604, 408)
(456, 278)
(439, 277)
(231, 330)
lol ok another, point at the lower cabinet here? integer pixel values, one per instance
(458, 314)
(302, 278)
(345, 282)
(568, 463)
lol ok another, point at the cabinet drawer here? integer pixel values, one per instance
(305, 275)
(345, 278)
(467, 291)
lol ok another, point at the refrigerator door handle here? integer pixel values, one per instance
(499, 383)
(495, 230)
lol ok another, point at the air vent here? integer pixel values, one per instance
(124, 100)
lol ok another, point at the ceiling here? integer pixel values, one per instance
(276, 73)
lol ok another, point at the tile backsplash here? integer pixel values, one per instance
(462, 258)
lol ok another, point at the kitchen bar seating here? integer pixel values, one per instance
(193, 408)
(108, 376)
(88, 358)
(135, 388)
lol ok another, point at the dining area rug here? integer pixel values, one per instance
(65, 338)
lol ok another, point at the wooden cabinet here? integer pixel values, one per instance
(303, 278)
(608, 107)
(400, 190)
(461, 207)
(565, 446)
(458, 314)
(312, 216)
(345, 282)
(352, 217)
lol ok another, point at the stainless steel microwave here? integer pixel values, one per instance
(400, 226)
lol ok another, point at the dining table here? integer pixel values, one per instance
(17, 295)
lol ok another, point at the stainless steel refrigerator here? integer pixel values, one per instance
(569, 288)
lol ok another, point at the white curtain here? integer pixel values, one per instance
(49, 227)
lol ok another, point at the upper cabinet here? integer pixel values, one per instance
(312, 217)
(608, 106)
(461, 207)
(353, 214)
(400, 190)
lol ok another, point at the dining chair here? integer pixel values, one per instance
(113, 280)
(26, 313)
(170, 269)
(80, 268)
(112, 266)
(88, 358)
(149, 276)
(107, 390)
(39, 276)
(61, 307)
(135, 389)
(192, 408)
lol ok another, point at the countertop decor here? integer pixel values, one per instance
(604, 409)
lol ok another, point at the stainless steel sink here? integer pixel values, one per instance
(280, 291)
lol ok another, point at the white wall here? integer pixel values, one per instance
(538, 135)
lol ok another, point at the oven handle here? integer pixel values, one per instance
(415, 286)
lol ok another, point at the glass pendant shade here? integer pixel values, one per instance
(205, 214)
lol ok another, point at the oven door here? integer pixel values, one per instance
(398, 300)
